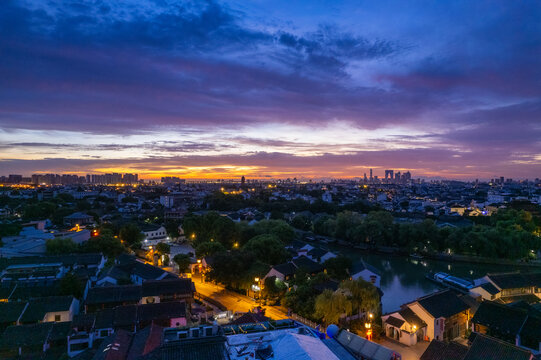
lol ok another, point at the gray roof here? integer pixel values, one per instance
(443, 304)
(362, 265)
(488, 348)
(37, 308)
(11, 311)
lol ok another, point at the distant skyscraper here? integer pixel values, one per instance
(371, 177)
(242, 180)
(389, 174)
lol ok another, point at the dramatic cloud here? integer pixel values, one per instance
(264, 89)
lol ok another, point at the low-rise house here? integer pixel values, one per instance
(286, 271)
(516, 325)
(481, 347)
(10, 313)
(50, 309)
(365, 271)
(78, 218)
(112, 296)
(446, 315)
(33, 340)
(178, 289)
(153, 235)
(404, 326)
(510, 287)
(129, 318)
(150, 292)
(320, 255)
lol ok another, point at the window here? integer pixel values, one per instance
(208, 331)
(182, 334)
(104, 333)
(57, 318)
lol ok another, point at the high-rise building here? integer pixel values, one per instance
(371, 177)
(389, 174)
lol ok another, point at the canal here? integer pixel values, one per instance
(403, 278)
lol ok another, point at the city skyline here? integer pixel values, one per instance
(218, 90)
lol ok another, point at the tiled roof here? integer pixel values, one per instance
(361, 266)
(10, 312)
(115, 346)
(145, 341)
(206, 348)
(168, 287)
(307, 264)
(37, 308)
(443, 304)
(33, 335)
(500, 318)
(515, 280)
(485, 347)
(164, 310)
(439, 350)
(391, 320)
(250, 318)
(491, 289)
(113, 294)
(285, 269)
(411, 317)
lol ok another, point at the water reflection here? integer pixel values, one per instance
(403, 279)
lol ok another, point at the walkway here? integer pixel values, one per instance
(234, 301)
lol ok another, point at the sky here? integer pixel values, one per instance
(271, 88)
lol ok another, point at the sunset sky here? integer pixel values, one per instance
(271, 88)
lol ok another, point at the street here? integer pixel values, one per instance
(234, 301)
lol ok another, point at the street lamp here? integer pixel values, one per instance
(368, 327)
(258, 289)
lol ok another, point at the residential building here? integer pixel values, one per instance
(365, 271)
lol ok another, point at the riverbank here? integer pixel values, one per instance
(388, 250)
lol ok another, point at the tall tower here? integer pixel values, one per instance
(371, 177)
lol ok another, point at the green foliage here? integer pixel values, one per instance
(71, 285)
(237, 269)
(39, 211)
(132, 235)
(9, 229)
(301, 222)
(183, 262)
(337, 267)
(267, 248)
(105, 243)
(279, 228)
(273, 287)
(330, 306)
(61, 246)
(208, 248)
(171, 226)
(163, 248)
(210, 227)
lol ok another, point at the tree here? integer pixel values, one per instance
(70, 285)
(267, 249)
(105, 243)
(208, 248)
(163, 248)
(301, 222)
(364, 295)
(131, 234)
(279, 228)
(60, 246)
(330, 306)
(337, 267)
(183, 262)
